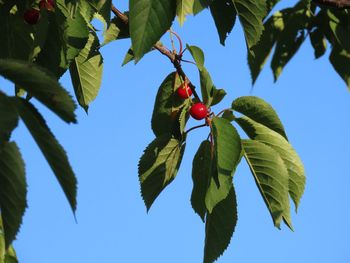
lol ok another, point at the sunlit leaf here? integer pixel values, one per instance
(260, 111)
(271, 177)
(158, 166)
(290, 158)
(149, 20)
(227, 146)
(86, 72)
(198, 55)
(207, 86)
(117, 29)
(251, 14)
(183, 8)
(227, 155)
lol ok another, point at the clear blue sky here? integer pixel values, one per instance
(104, 149)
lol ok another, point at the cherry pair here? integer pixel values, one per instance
(198, 110)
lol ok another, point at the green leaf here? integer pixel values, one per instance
(149, 20)
(227, 155)
(184, 116)
(41, 85)
(158, 166)
(184, 8)
(227, 146)
(218, 189)
(86, 72)
(53, 53)
(273, 26)
(251, 13)
(87, 10)
(117, 29)
(50, 147)
(218, 96)
(19, 39)
(224, 15)
(197, 55)
(318, 42)
(103, 7)
(290, 40)
(200, 5)
(165, 118)
(260, 111)
(9, 255)
(8, 119)
(270, 4)
(296, 180)
(2, 243)
(129, 56)
(219, 227)
(201, 176)
(228, 115)
(340, 60)
(271, 177)
(73, 26)
(13, 191)
(207, 86)
(69, 33)
(341, 31)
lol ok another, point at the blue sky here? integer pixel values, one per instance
(104, 149)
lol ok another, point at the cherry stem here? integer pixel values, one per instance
(188, 61)
(195, 127)
(178, 38)
(172, 42)
(174, 58)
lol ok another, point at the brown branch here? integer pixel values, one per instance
(342, 4)
(123, 17)
(174, 58)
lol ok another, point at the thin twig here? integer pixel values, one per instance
(195, 127)
(221, 112)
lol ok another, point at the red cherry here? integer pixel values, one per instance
(47, 4)
(31, 16)
(184, 91)
(199, 111)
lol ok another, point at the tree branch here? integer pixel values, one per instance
(174, 58)
(343, 4)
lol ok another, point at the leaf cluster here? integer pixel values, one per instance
(275, 166)
(287, 29)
